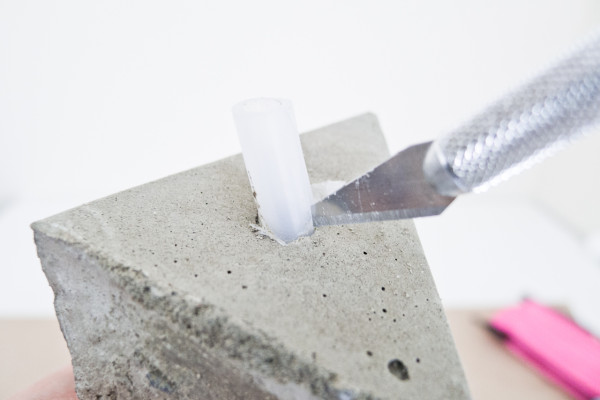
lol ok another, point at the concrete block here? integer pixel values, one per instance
(164, 291)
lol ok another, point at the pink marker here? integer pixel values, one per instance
(555, 345)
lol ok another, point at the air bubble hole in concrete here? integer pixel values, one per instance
(398, 369)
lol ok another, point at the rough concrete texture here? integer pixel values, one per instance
(165, 291)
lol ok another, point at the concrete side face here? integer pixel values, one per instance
(165, 291)
(129, 351)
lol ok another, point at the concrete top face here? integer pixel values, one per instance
(351, 298)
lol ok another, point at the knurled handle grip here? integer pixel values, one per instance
(520, 129)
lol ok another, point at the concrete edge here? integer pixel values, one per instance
(45, 225)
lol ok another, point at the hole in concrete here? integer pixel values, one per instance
(418, 360)
(175, 261)
(195, 275)
(244, 287)
(383, 288)
(384, 310)
(365, 253)
(160, 381)
(369, 353)
(398, 369)
(394, 319)
(228, 272)
(324, 295)
(146, 289)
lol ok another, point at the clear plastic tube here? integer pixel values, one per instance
(275, 164)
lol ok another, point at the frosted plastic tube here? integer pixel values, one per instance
(273, 156)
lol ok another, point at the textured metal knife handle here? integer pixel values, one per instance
(522, 128)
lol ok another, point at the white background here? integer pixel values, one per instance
(96, 97)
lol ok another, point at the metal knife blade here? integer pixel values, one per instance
(393, 190)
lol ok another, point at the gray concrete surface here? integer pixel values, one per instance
(165, 291)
